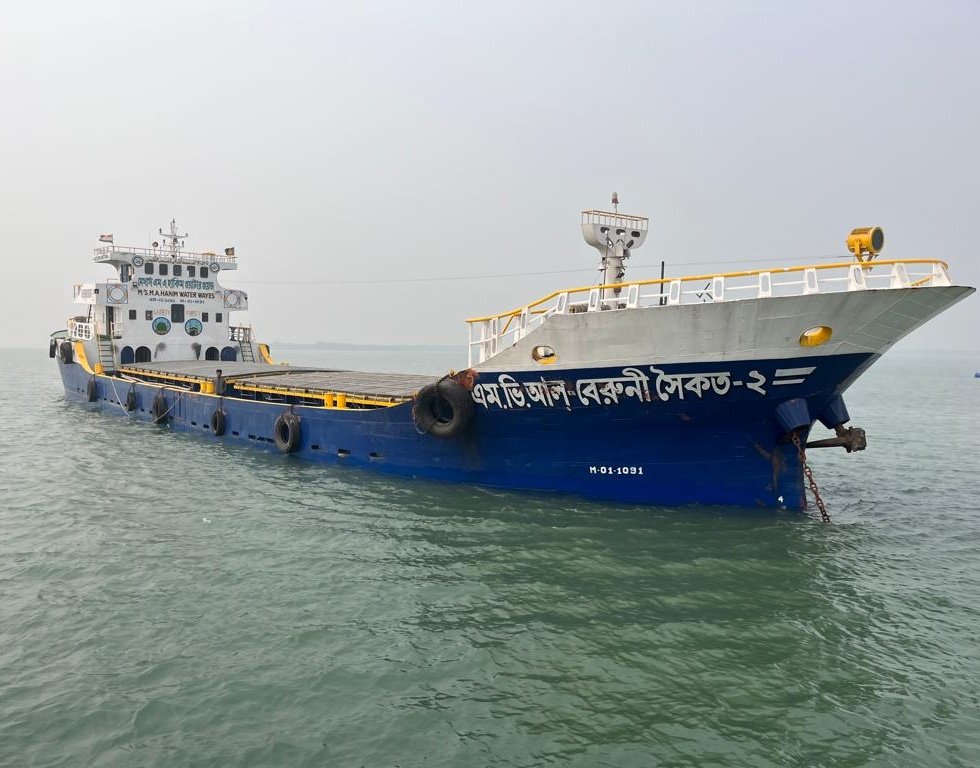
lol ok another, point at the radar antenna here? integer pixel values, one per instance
(614, 235)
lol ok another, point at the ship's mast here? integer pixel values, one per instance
(614, 235)
(173, 241)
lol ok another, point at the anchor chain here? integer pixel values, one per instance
(809, 478)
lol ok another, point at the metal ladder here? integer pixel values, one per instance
(106, 355)
(246, 350)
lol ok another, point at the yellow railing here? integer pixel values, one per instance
(491, 333)
(711, 276)
(333, 400)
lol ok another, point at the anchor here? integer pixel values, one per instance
(850, 439)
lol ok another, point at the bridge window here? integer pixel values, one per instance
(132, 314)
(142, 354)
(190, 271)
(176, 313)
(204, 317)
(163, 269)
(178, 270)
(204, 272)
(148, 267)
(149, 314)
(217, 317)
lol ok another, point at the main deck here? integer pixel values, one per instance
(336, 388)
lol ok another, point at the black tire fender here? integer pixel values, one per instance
(218, 422)
(443, 410)
(92, 390)
(286, 432)
(67, 353)
(131, 400)
(159, 409)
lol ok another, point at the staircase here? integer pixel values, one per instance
(106, 355)
(246, 350)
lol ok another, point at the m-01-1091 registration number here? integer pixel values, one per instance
(625, 470)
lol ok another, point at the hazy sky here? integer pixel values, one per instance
(333, 143)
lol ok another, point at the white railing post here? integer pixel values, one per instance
(940, 277)
(562, 306)
(810, 284)
(765, 285)
(718, 289)
(593, 300)
(522, 326)
(856, 278)
(674, 292)
(632, 297)
(900, 276)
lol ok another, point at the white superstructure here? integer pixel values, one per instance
(164, 304)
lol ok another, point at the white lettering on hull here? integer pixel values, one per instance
(507, 393)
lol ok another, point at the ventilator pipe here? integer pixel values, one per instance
(793, 414)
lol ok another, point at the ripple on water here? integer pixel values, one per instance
(168, 600)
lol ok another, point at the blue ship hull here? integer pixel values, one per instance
(685, 445)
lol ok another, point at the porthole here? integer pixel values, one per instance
(543, 354)
(814, 337)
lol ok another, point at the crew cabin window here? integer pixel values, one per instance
(204, 272)
(132, 314)
(204, 317)
(190, 271)
(163, 269)
(149, 314)
(217, 317)
(178, 270)
(176, 313)
(148, 268)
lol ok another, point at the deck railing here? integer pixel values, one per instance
(493, 333)
(80, 330)
(110, 252)
(240, 333)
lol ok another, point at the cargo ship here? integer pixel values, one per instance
(679, 390)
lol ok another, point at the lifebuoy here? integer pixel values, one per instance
(159, 409)
(92, 390)
(286, 432)
(67, 353)
(218, 422)
(131, 400)
(444, 409)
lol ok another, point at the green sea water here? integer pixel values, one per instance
(167, 600)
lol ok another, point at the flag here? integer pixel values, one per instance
(105, 238)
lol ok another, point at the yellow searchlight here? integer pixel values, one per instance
(866, 242)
